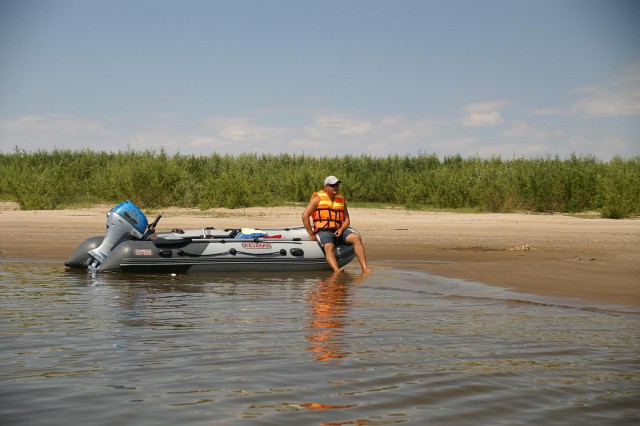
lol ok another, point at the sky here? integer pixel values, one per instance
(508, 78)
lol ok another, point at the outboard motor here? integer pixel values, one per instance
(124, 221)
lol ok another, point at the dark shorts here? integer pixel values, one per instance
(327, 236)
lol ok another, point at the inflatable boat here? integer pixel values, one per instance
(131, 244)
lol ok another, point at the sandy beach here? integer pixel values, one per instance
(551, 255)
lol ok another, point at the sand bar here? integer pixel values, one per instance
(551, 255)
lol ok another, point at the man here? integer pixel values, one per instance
(328, 212)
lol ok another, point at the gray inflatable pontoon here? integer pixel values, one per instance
(131, 245)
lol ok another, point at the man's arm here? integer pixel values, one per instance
(346, 223)
(306, 215)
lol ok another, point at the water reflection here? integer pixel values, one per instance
(162, 300)
(157, 300)
(327, 316)
(304, 349)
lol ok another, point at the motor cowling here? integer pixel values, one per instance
(124, 221)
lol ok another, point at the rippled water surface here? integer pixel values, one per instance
(397, 347)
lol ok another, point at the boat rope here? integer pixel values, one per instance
(233, 252)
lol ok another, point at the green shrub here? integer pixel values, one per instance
(59, 178)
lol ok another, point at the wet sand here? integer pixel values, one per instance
(552, 255)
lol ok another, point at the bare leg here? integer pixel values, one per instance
(331, 257)
(358, 247)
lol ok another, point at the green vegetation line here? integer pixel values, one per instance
(61, 178)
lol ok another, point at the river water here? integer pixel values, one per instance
(396, 347)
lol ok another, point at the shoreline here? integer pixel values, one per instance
(555, 255)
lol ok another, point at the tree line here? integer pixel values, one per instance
(152, 179)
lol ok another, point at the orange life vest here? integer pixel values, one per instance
(328, 215)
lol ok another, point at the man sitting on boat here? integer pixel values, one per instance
(329, 224)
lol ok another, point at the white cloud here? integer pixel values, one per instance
(397, 128)
(603, 147)
(54, 131)
(236, 135)
(337, 125)
(484, 114)
(243, 129)
(482, 119)
(455, 145)
(199, 141)
(307, 145)
(607, 105)
(486, 106)
(524, 130)
(393, 120)
(546, 111)
(616, 98)
(332, 133)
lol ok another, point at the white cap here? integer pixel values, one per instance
(331, 180)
